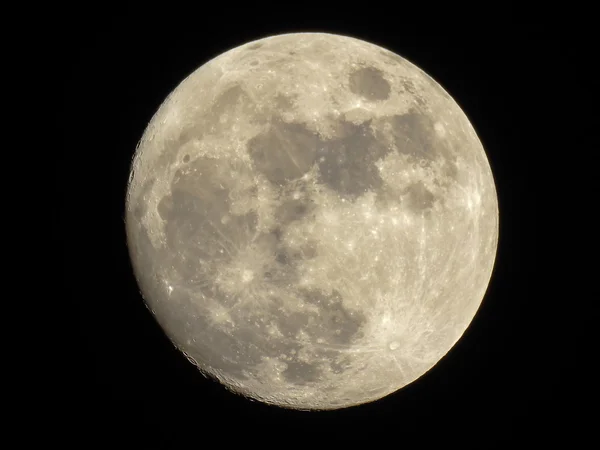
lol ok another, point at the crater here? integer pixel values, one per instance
(369, 83)
(255, 46)
(283, 153)
(347, 164)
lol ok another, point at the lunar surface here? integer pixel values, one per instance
(312, 220)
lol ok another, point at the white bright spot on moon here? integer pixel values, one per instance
(326, 212)
(439, 129)
(247, 276)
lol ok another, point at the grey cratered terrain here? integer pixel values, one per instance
(312, 220)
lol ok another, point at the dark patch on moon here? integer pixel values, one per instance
(340, 363)
(419, 197)
(300, 372)
(283, 153)
(186, 158)
(347, 164)
(290, 324)
(254, 63)
(255, 46)
(226, 100)
(230, 105)
(192, 215)
(281, 257)
(330, 330)
(269, 240)
(292, 256)
(292, 209)
(413, 135)
(283, 102)
(449, 169)
(196, 236)
(335, 324)
(386, 197)
(369, 83)
(189, 133)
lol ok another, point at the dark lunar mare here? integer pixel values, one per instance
(195, 236)
(347, 164)
(283, 153)
(369, 83)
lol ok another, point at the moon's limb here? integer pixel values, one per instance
(312, 220)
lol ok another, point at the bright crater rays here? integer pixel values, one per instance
(312, 220)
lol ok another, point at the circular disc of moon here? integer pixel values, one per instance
(312, 220)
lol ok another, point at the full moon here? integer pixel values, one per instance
(312, 220)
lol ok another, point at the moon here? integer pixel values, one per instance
(312, 220)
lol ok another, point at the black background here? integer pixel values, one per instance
(521, 371)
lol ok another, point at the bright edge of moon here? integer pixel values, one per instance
(312, 220)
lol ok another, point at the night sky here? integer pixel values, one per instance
(521, 372)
